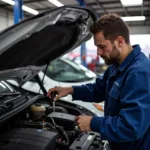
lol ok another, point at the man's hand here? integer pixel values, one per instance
(62, 91)
(84, 123)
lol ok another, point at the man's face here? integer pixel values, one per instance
(105, 49)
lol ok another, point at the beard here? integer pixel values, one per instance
(114, 56)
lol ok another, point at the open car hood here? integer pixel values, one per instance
(27, 47)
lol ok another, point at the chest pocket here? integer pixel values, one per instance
(114, 100)
(114, 92)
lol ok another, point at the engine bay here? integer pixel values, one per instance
(40, 127)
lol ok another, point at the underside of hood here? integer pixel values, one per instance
(27, 47)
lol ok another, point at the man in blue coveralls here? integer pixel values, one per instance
(125, 88)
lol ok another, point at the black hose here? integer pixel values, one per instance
(46, 124)
(62, 131)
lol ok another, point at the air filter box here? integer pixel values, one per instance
(65, 120)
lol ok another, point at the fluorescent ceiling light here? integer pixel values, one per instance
(56, 2)
(9, 2)
(131, 2)
(25, 8)
(30, 10)
(134, 18)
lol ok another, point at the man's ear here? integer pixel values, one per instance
(119, 42)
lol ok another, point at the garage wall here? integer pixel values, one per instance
(139, 29)
(6, 19)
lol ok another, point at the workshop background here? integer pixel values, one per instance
(135, 12)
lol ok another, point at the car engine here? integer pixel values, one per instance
(40, 127)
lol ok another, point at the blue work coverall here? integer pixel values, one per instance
(126, 92)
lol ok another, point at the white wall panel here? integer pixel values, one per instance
(6, 19)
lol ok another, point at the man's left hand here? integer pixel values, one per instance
(84, 123)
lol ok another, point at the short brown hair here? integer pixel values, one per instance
(112, 26)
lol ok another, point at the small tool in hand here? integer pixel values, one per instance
(53, 95)
(53, 106)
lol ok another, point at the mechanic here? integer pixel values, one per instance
(125, 88)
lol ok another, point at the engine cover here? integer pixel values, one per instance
(65, 120)
(28, 139)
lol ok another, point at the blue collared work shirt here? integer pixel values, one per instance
(126, 92)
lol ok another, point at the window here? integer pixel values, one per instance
(4, 88)
(65, 72)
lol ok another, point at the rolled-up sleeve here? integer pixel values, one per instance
(133, 119)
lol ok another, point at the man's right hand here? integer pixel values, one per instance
(62, 91)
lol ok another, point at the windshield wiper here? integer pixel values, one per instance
(9, 104)
(9, 94)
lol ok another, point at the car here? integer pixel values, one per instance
(60, 72)
(28, 120)
(63, 72)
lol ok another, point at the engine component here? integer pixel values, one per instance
(87, 141)
(57, 109)
(46, 106)
(37, 111)
(29, 124)
(23, 139)
(65, 120)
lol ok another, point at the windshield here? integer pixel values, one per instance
(67, 71)
(4, 88)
